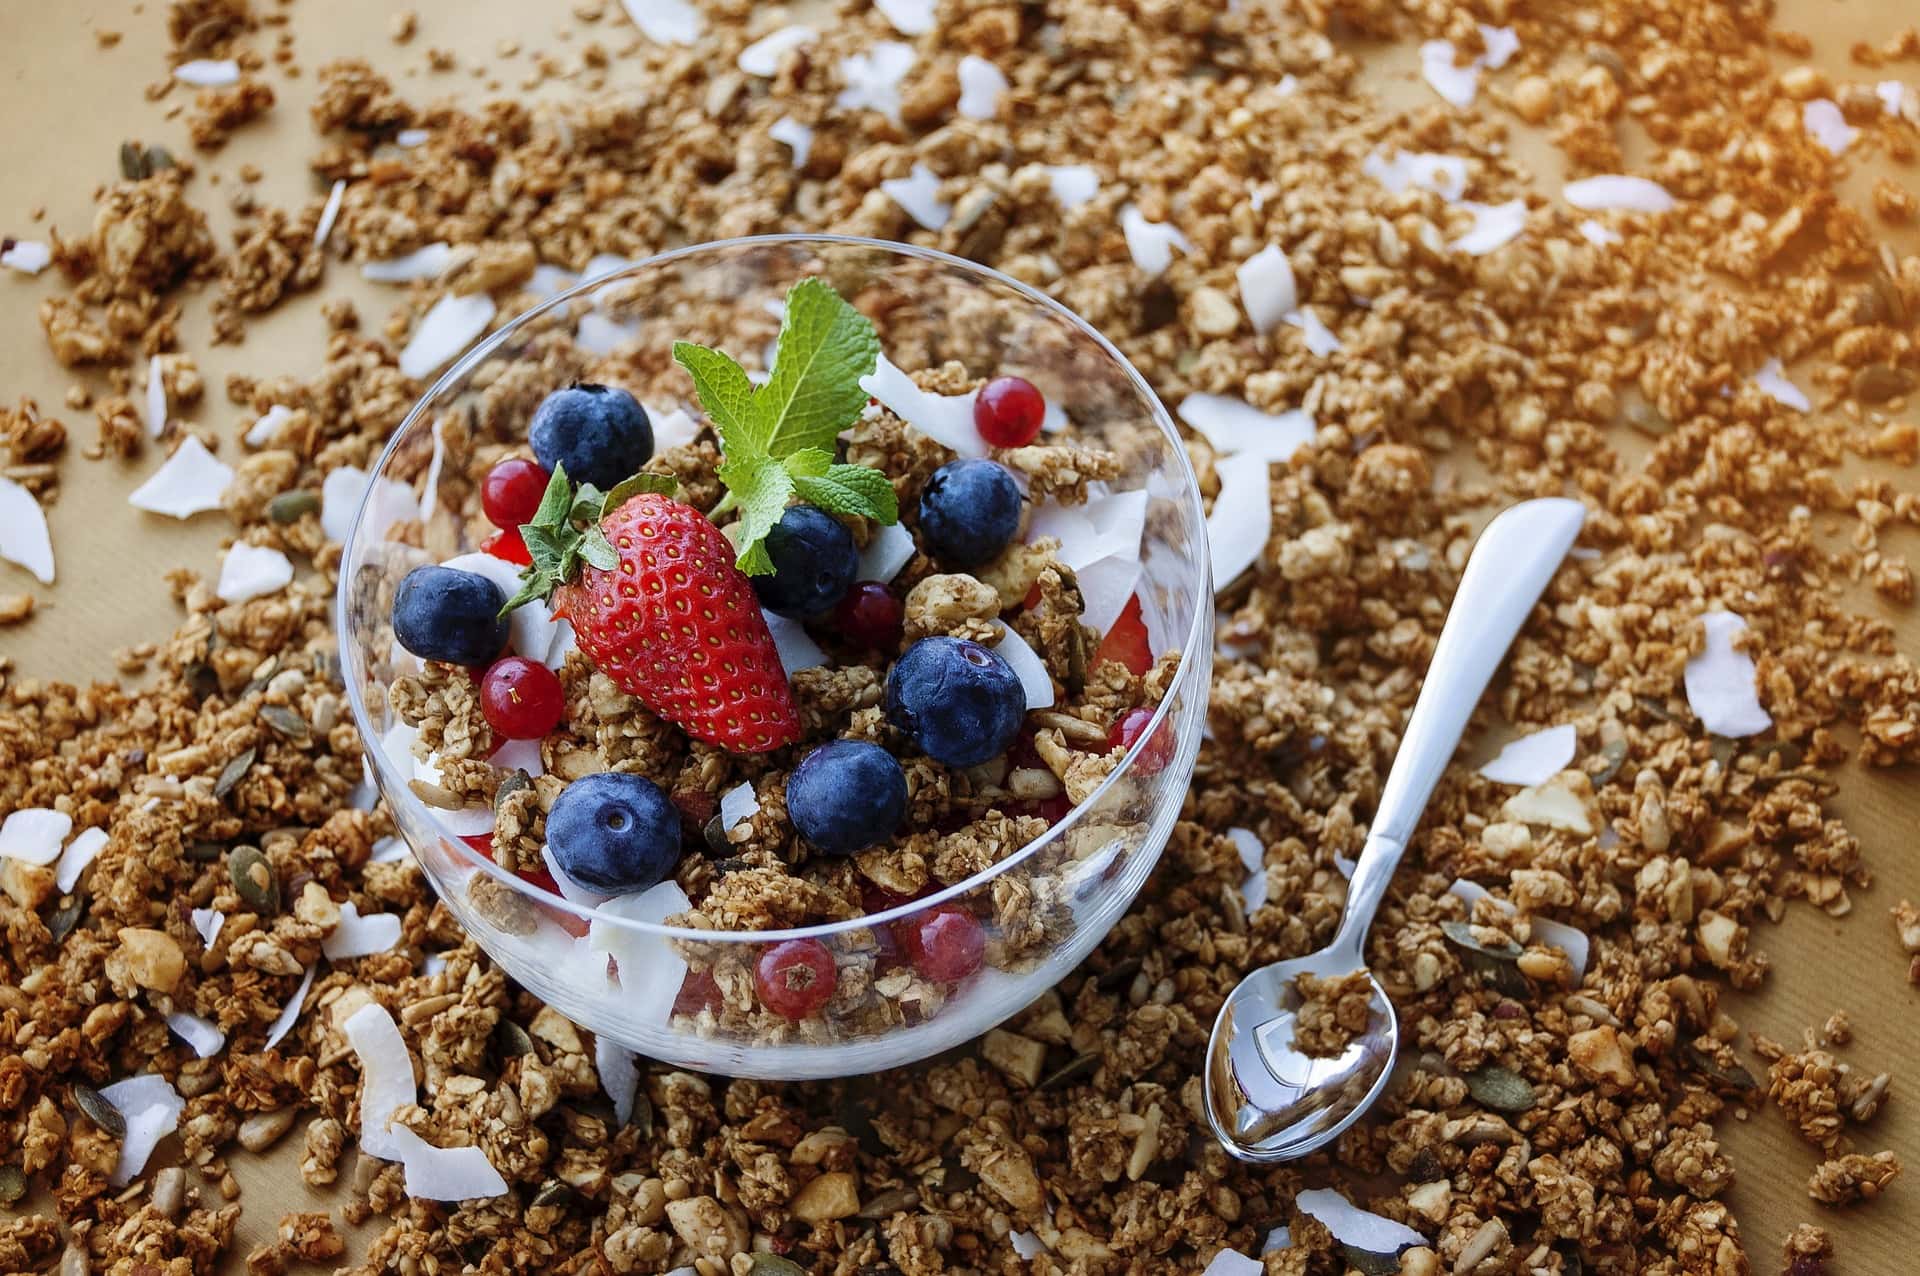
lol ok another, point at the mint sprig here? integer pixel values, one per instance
(565, 531)
(778, 438)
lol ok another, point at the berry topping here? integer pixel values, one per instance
(847, 795)
(1127, 732)
(813, 563)
(870, 616)
(510, 493)
(506, 544)
(1007, 411)
(521, 699)
(795, 977)
(945, 943)
(1126, 642)
(599, 433)
(957, 702)
(697, 992)
(443, 613)
(969, 510)
(614, 832)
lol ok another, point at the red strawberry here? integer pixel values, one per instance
(676, 625)
(1126, 642)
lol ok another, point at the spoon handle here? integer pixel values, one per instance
(1508, 570)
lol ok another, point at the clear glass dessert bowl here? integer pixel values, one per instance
(685, 994)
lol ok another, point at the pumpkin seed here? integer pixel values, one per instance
(765, 1264)
(230, 773)
(159, 160)
(203, 681)
(13, 1184)
(510, 785)
(1119, 975)
(1370, 1263)
(1878, 382)
(94, 1106)
(642, 1118)
(888, 1203)
(1494, 965)
(716, 836)
(553, 1192)
(254, 880)
(205, 852)
(1082, 1066)
(66, 916)
(287, 722)
(1646, 418)
(511, 1040)
(133, 161)
(1613, 756)
(1461, 933)
(290, 507)
(1729, 1078)
(1722, 751)
(1501, 1089)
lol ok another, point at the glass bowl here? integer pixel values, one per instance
(620, 971)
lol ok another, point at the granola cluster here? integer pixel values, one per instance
(1546, 1120)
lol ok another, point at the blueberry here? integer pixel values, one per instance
(969, 510)
(847, 795)
(614, 832)
(443, 613)
(813, 563)
(959, 702)
(600, 433)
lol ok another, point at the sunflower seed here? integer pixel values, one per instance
(94, 1106)
(13, 1184)
(205, 852)
(1646, 418)
(1069, 1072)
(511, 1040)
(289, 507)
(254, 880)
(1501, 1089)
(1371, 1264)
(287, 722)
(553, 1192)
(888, 1203)
(230, 773)
(63, 919)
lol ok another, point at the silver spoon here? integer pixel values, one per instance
(1266, 1100)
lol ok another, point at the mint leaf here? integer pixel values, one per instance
(726, 394)
(627, 488)
(761, 486)
(809, 462)
(851, 489)
(814, 392)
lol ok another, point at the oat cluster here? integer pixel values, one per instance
(1544, 1123)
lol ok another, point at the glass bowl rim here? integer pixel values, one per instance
(1197, 651)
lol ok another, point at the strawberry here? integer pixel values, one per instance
(1126, 642)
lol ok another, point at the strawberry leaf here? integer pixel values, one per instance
(851, 489)
(638, 484)
(596, 549)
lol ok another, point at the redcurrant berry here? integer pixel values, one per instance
(1127, 732)
(945, 943)
(795, 977)
(510, 493)
(1007, 411)
(870, 616)
(521, 699)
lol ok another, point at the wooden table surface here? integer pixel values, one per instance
(68, 104)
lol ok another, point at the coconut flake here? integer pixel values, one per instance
(80, 852)
(264, 430)
(24, 538)
(329, 213)
(1720, 681)
(436, 462)
(947, 419)
(1439, 66)
(1151, 244)
(1026, 1245)
(672, 429)
(619, 1075)
(1232, 425)
(1253, 855)
(1494, 226)
(1072, 184)
(207, 923)
(408, 138)
(386, 1085)
(289, 1013)
(665, 21)
(1568, 939)
(1278, 1239)
(797, 650)
(797, 136)
(208, 73)
(1105, 588)
(909, 17)
(151, 1109)
(1028, 667)
(519, 755)
(571, 891)
(918, 194)
(981, 84)
(156, 403)
(28, 256)
(252, 571)
(340, 495)
(191, 482)
(736, 804)
(1597, 234)
(1826, 125)
(1892, 95)
(873, 78)
(202, 1035)
(601, 335)
(651, 972)
(762, 57)
(1501, 43)
(549, 281)
(445, 331)
(890, 549)
(532, 623)
(1231, 1262)
(1353, 1226)
(1242, 517)
(33, 834)
(1444, 175)
(1320, 339)
(358, 936)
(1618, 192)
(1267, 287)
(1772, 381)
(427, 262)
(1534, 758)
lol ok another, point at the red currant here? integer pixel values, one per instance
(1127, 732)
(1126, 642)
(1007, 411)
(870, 616)
(510, 493)
(945, 943)
(699, 992)
(795, 977)
(506, 544)
(521, 699)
